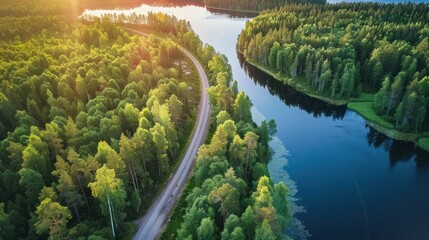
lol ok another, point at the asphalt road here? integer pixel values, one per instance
(150, 225)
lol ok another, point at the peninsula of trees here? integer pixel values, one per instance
(375, 57)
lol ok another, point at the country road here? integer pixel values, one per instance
(149, 226)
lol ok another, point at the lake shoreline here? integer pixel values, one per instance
(357, 106)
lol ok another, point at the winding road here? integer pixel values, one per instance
(149, 226)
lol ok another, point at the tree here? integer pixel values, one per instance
(206, 229)
(161, 146)
(248, 221)
(53, 217)
(71, 133)
(144, 146)
(234, 88)
(130, 155)
(231, 223)
(294, 68)
(107, 155)
(264, 232)
(381, 98)
(251, 141)
(272, 58)
(175, 108)
(7, 229)
(242, 107)
(32, 182)
(280, 61)
(109, 190)
(227, 196)
(396, 90)
(237, 234)
(281, 204)
(222, 117)
(36, 155)
(130, 118)
(67, 186)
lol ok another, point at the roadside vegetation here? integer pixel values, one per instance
(230, 194)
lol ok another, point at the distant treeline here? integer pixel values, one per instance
(253, 5)
(77, 7)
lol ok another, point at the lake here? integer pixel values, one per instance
(353, 182)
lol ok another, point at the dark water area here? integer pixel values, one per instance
(354, 182)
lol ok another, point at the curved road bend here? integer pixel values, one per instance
(149, 226)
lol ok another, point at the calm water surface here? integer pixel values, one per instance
(354, 182)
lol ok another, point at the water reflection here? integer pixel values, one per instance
(232, 14)
(176, 3)
(399, 151)
(290, 96)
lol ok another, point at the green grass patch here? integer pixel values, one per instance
(366, 111)
(382, 125)
(424, 143)
(363, 97)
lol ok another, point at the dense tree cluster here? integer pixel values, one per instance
(340, 50)
(254, 5)
(92, 121)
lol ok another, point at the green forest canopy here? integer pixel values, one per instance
(342, 50)
(79, 100)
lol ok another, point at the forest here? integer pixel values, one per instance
(254, 5)
(373, 56)
(93, 121)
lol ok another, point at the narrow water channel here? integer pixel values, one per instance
(354, 182)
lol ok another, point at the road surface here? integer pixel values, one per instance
(149, 226)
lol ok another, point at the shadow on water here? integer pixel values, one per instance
(232, 13)
(399, 151)
(176, 3)
(290, 96)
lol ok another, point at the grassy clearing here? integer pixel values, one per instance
(363, 97)
(381, 124)
(424, 143)
(366, 111)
